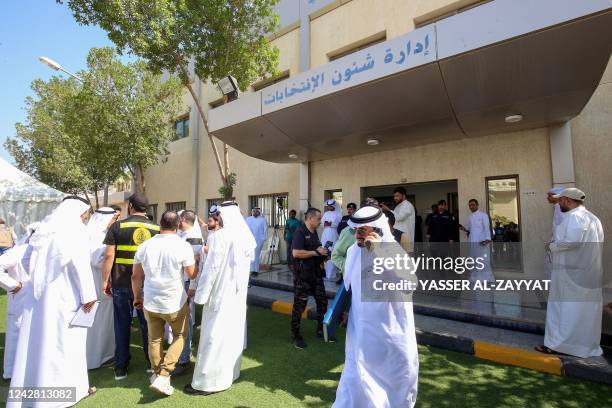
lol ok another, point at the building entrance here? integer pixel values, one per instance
(422, 196)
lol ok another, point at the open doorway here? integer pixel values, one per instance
(422, 196)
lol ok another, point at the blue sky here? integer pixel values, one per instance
(29, 29)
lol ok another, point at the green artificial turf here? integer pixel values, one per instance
(274, 374)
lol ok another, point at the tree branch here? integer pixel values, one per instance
(196, 99)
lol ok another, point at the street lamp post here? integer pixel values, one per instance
(57, 67)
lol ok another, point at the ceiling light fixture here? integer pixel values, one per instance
(513, 118)
(373, 142)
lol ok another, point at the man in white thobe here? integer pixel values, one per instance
(382, 363)
(259, 228)
(100, 336)
(404, 212)
(479, 237)
(51, 352)
(573, 315)
(222, 290)
(330, 221)
(14, 275)
(556, 221)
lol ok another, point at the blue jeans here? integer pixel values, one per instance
(186, 354)
(123, 307)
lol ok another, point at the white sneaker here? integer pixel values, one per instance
(162, 385)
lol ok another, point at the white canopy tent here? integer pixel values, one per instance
(23, 199)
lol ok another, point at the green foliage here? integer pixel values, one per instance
(227, 190)
(44, 146)
(81, 137)
(503, 220)
(221, 37)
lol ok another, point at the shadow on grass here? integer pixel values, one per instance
(310, 375)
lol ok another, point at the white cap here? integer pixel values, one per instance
(555, 190)
(573, 193)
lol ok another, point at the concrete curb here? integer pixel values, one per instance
(573, 367)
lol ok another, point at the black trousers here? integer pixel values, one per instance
(302, 288)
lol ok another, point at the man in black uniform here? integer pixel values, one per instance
(308, 255)
(350, 209)
(122, 241)
(442, 225)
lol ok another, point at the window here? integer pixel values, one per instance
(335, 194)
(152, 211)
(211, 201)
(176, 206)
(445, 12)
(181, 128)
(357, 46)
(503, 207)
(258, 86)
(216, 103)
(275, 207)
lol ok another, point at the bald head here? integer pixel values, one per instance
(169, 221)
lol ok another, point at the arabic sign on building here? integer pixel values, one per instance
(399, 54)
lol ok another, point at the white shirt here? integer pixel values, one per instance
(479, 227)
(404, 218)
(197, 248)
(163, 258)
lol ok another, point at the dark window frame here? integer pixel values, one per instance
(176, 206)
(328, 194)
(154, 212)
(277, 217)
(518, 200)
(211, 201)
(183, 122)
(357, 46)
(264, 83)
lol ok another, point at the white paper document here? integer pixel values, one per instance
(83, 319)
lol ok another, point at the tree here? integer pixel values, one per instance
(131, 109)
(81, 137)
(43, 146)
(220, 38)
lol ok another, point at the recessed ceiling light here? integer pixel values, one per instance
(373, 142)
(293, 156)
(513, 118)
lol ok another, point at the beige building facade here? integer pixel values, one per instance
(507, 167)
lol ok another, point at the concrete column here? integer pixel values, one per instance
(304, 186)
(194, 133)
(561, 155)
(304, 42)
(304, 66)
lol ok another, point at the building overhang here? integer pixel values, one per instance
(458, 77)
